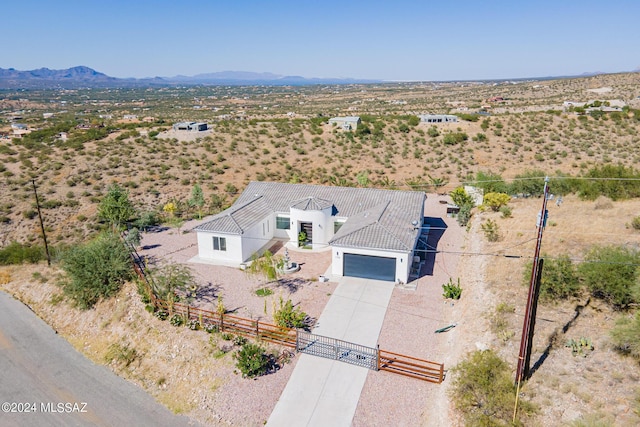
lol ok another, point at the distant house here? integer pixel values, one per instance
(346, 123)
(190, 127)
(438, 118)
(371, 233)
(130, 117)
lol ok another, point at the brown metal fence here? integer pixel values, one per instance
(408, 366)
(233, 324)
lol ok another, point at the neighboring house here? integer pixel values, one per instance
(372, 233)
(438, 118)
(190, 127)
(130, 117)
(346, 123)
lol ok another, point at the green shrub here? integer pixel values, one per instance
(286, 316)
(505, 211)
(19, 253)
(452, 290)
(611, 274)
(635, 223)
(491, 230)
(483, 391)
(121, 354)
(96, 270)
(176, 320)
(252, 361)
(625, 336)
(496, 200)
(559, 279)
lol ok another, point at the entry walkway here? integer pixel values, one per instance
(325, 392)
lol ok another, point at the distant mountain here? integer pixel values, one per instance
(44, 77)
(85, 77)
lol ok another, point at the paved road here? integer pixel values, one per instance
(323, 392)
(42, 370)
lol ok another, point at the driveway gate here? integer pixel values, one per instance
(331, 348)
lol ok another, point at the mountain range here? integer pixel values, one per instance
(85, 77)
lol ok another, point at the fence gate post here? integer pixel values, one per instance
(377, 357)
(257, 329)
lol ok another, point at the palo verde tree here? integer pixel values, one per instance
(115, 207)
(267, 265)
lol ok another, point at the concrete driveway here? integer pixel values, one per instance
(324, 392)
(43, 374)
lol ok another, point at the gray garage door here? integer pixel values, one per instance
(370, 267)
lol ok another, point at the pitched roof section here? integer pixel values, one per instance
(238, 217)
(311, 204)
(376, 219)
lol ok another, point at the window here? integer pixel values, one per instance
(336, 226)
(282, 223)
(219, 243)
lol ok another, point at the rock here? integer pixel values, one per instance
(570, 415)
(482, 346)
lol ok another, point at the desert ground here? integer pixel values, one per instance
(253, 138)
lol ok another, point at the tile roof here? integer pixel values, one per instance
(238, 217)
(376, 218)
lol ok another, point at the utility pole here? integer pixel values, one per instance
(44, 235)
(524, 356)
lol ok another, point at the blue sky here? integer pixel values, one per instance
(389, 40)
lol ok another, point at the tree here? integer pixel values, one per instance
(267, 265)
(197, 199)
(496, 200)
(218, 202)
(115, 207)
(169, 279)
(96, 270)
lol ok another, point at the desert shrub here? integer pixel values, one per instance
(635, 223)
(454, 138)
(531, 182)
(452, 290)
(611, 274)
(176, 320)
(464, 215)
(19, 253)
(559, 279)
(122, 354)
(288, 316)
(625, 336)
(147, 219)
(252, 361)
(483, 391)
(505, 211)
(500, 323)
(496, 200)
(615, 189)
(95, 270)
(490, 182)
(460, 197)
(491, 230)
(169, 279)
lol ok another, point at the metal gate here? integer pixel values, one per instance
(343, 351)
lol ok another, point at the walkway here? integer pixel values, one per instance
(324, 392)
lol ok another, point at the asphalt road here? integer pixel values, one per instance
(44, 381)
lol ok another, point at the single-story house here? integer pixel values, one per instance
(371, 233)
(190, 126)
(438, 118)
(346, 123)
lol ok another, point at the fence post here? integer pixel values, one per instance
(377, 357)
(257, 329)
(221, 322)
(441, 373)
(188, 313)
